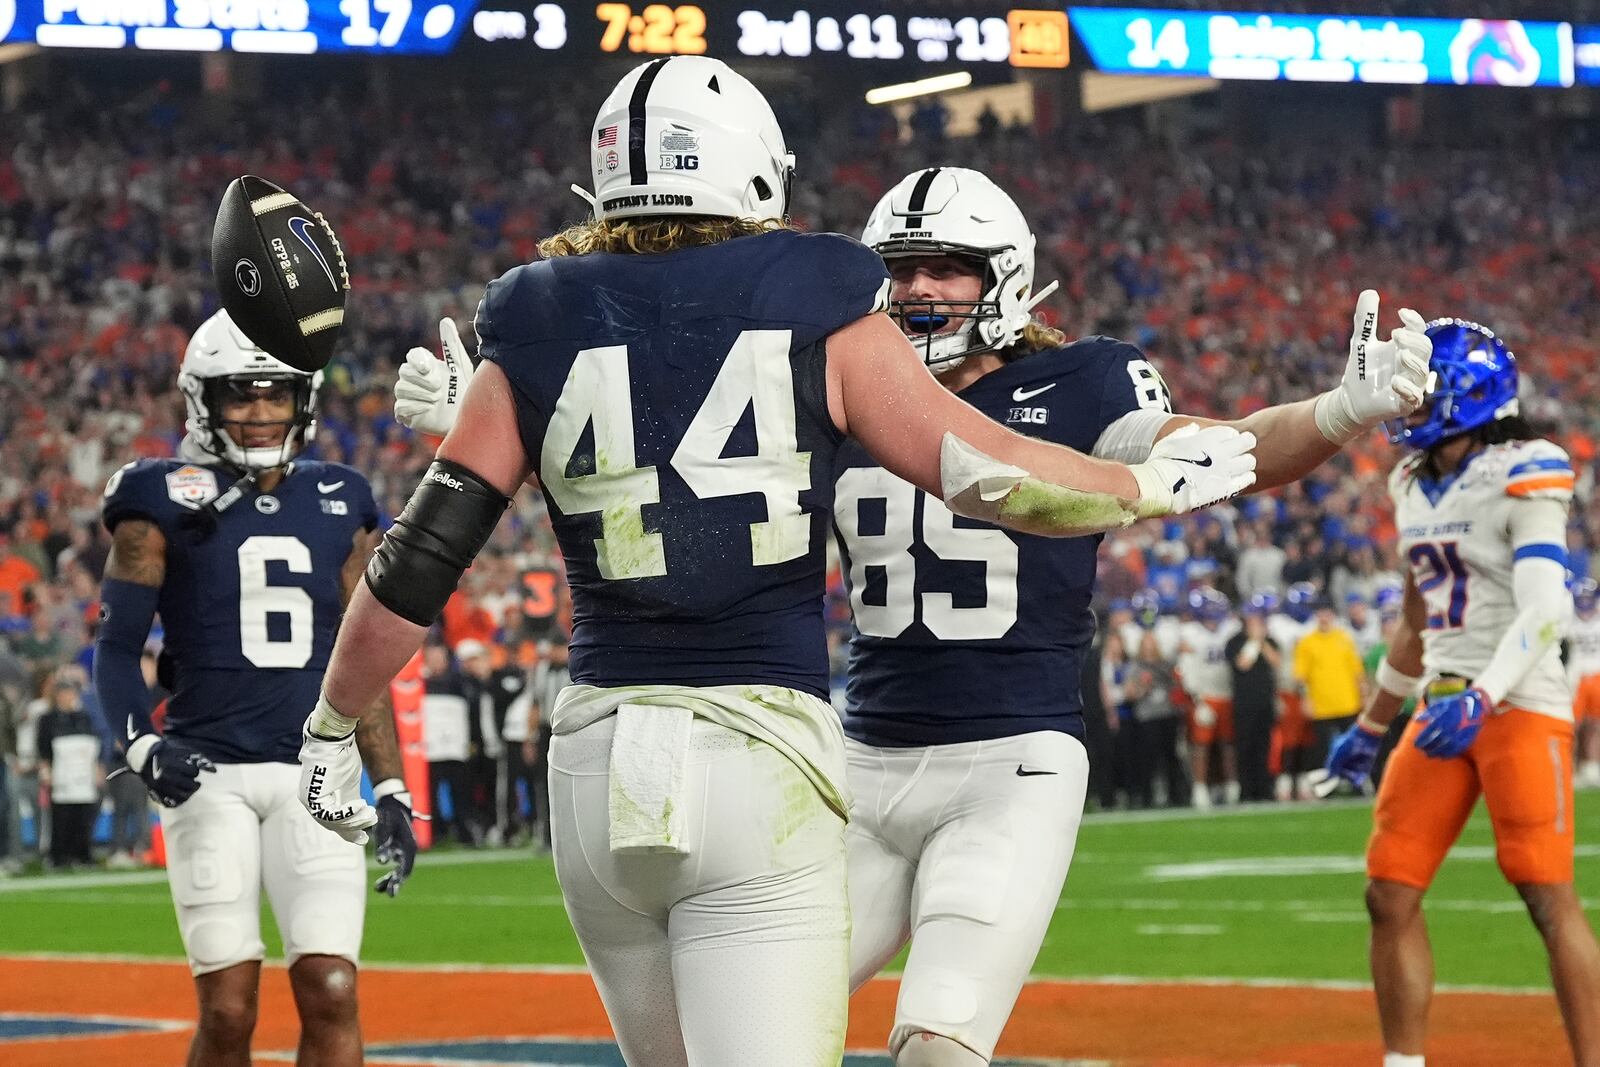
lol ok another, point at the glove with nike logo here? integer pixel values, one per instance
(170, 769)
(1194, 468)
(429, 391)
(1450, 724)
(1382, 379)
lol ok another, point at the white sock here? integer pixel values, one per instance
(1230, 792)
(1400, 1059)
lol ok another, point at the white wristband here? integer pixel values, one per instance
(1397, 684)
(138, 753)
(387, 788)
(326, 724)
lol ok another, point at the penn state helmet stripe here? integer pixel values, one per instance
(637, 173)
(919, 196)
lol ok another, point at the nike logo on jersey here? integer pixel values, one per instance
(328, 487)
(1024, 773)
(1029, 394)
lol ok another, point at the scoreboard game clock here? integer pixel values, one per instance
(580, 29)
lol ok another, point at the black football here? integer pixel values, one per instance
(280, 272)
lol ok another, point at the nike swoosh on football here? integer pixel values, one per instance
(328, 487)
(300, 227)
(1021, 773)
(1029, 394)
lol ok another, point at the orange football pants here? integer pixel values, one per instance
(1522, 764)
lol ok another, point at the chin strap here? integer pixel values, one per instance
(1038, 298)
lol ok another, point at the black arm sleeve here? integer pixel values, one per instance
(443, 528)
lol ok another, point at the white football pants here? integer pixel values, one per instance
(735, 954)
(963, 850)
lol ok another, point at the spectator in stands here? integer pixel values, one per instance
(17, 574)
(1327, 661)
(70, 772)
(1362, 622)
(1254, 659)
(1260, 567)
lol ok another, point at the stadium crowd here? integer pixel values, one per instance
(1234, 269)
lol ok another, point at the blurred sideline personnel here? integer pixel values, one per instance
(1482, 514)
(964, 724)
(249, 556)
(1203, 667)
(1583, 671)
(680, 371)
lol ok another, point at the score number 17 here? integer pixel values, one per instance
(362, 34)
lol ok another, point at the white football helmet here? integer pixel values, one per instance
(688, 135)
(219, 358)
(953, 211)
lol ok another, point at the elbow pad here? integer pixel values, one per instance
(443, 528)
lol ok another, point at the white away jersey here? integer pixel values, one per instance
(1204, 665)
(1455, 536)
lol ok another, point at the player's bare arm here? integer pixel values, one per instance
(411, 575)
(1383, 380)
(881, 393)
(375, 738)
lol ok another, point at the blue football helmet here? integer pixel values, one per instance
(1146, 605)
(1262, 604)
(1475, 383)
(1389, 600)
(1208, 605)
(1301, 601)
(1585, 595)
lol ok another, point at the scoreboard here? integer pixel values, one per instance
(1016, 37)
(1215, 44)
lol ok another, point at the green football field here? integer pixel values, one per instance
(1272, 893)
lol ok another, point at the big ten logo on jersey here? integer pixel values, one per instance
(1031, 416)
(334, 507)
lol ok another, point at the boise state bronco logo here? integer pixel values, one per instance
(191, 486)
(1493, 52)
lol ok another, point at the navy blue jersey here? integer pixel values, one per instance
(964, 631)
(249, 609)
(675, 409)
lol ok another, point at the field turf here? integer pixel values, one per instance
(1269, 894)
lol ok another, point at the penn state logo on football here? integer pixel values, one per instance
(248, 277)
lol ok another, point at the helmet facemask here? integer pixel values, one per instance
(212, 432)
(981, 324)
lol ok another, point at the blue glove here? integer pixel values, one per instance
(1349, 760)
(1450, 724)
(170, 769)
(397, 843)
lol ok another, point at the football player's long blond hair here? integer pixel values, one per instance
(651, 236)
(1036, 337)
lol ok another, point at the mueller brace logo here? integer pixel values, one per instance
(445, 480)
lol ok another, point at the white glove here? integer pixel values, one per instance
(330, 774)
(1194, 468)
(1382, 379)
(429, 391)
